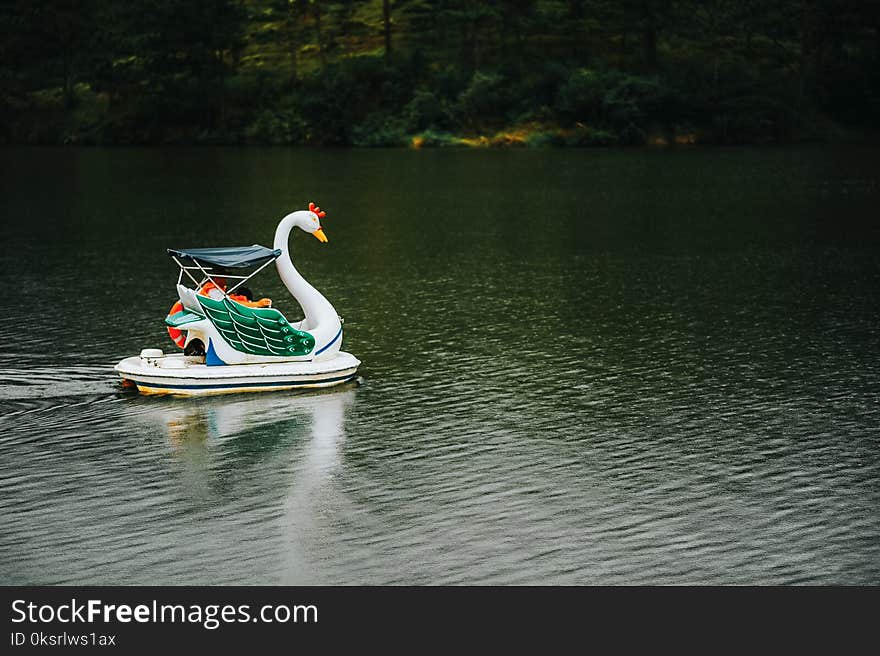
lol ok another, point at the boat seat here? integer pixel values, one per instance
(189, 299)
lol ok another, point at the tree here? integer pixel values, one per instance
(172, 57)
(386, 28)
(53, 41)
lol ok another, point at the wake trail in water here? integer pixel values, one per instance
(46, 386)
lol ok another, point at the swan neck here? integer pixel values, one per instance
(316, 308)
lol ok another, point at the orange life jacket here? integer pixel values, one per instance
(207, 287)
(239, 298)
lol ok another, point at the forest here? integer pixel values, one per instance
(422, 73)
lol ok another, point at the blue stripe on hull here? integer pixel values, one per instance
(331, 343)
(253, 384)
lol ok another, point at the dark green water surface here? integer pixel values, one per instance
(597, 366)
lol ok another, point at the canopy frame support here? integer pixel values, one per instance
(206, 271)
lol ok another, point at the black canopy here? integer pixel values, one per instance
(230, 257)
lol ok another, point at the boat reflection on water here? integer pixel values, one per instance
(263, 474)
(188, 423)
(315, 498)
(246, 451)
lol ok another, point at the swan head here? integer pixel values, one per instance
(310, 221)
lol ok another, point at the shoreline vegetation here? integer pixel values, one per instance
(430, 73)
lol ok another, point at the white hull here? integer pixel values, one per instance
(178, 375)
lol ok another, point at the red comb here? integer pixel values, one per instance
(317, 210)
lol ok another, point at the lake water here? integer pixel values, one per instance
(579, 367)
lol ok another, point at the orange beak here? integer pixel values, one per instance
(320, 236)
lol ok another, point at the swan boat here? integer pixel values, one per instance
(233, 345)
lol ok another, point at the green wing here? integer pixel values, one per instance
(258, 331)
(182, 318)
